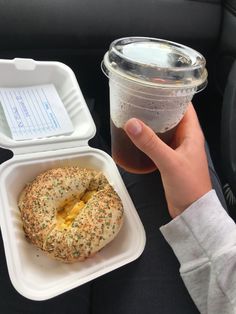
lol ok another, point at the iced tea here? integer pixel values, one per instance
(128, 156)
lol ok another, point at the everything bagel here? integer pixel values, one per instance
(70, 213)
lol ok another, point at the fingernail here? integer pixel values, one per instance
(133, 127)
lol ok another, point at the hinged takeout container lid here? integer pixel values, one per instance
(32, 273)
(28, 72)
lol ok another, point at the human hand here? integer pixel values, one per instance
(183, 165)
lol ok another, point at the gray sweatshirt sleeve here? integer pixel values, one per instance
(203, 239)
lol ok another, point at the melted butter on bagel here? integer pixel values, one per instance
(71, 213)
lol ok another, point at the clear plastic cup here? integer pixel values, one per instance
(153, 80)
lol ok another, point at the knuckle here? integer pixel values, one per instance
(149, 143)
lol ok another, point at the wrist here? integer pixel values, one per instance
(203, 228)
(182, 206)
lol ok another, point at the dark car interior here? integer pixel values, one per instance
(78, 33)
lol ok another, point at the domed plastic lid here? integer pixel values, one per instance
(156, 62)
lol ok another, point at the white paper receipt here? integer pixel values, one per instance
(34, 112)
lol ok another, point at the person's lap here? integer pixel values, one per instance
(151, 284)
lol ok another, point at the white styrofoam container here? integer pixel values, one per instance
(33, 274)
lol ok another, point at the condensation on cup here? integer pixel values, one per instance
(153, 80)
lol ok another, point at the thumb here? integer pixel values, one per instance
(147, 141)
